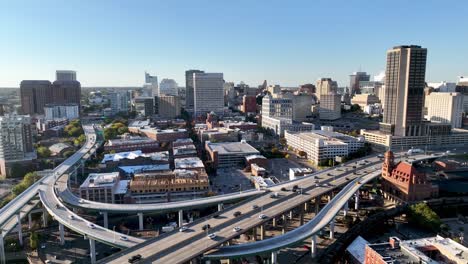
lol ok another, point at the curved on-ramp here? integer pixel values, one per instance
(82, 226)
(298, 235)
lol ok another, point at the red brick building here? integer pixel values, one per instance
(403, 182)
(249, 104)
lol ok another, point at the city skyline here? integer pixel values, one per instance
(250, 42)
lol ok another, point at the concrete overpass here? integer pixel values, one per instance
(179, 247)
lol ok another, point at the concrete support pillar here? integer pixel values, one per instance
(332, 229)
(181, 218)
(106, 219)
(301, 217)
(92, 250)
(291, 214)
(140, 221)
(20, 231)
(356, 204)
(44, 216)
(254, 234)
(345, 208)
(274, 257)
(317, 204)
(283, 227)
(262, 232)
(220, 207)
(313, 246)
(273, 222)
(29, 221)
(329, 197)
(2, 249)
(306, 207)
(62, 234)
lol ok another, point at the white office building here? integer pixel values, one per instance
(151, 83)
(168, 87)
(208, 93)
(104, 188)
(445, 108)
(57, 111)
(321, 145)
(443, 87)
(119, 102)
(277, 107)
(279, 125)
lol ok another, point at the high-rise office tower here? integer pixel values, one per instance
(15, 140)
(66, 92)
(168, 106)
(189, 96)
(404, 91)
(208, 93)
(65, 75)
(168, 87)
(34, 95)
(151, 82)
(325, 86)
(119, 102)
(355, 79)
(330, 106)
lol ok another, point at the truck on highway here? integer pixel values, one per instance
(414, 151)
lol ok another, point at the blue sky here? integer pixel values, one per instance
(112, 43)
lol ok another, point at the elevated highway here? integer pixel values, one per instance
(179, 247)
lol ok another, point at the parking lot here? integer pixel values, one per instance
(230, 180)
(279, 168)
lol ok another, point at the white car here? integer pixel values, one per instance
(92, 226)
(124, 238)
(237, 229)
(212, 236)
(81, 201)
(262, 216)
(183, 229)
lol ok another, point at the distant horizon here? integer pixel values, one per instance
(288, 44)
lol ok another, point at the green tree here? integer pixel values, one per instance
(34, 240)
(68, 153)
(422, 215)
(330, 163)
(43, 152)
(122, 130)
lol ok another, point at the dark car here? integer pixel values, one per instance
(237, 213)
(284, 189)
(295, 187)
(254, 206)
(205, 227)
(134, 258)
(217, 215)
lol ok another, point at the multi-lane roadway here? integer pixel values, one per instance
(179, 247)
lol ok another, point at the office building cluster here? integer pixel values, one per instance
(37, 94)
(405, 102)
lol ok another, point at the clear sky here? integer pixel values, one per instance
(112, 43)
